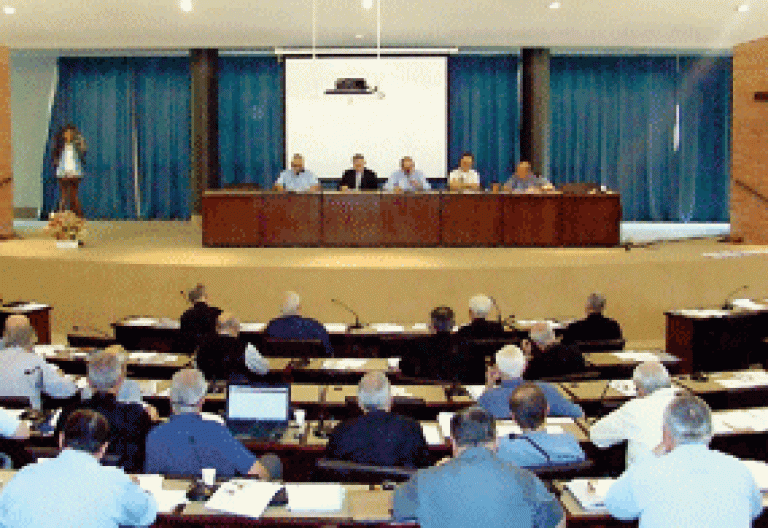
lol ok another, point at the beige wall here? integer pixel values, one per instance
(6, 153)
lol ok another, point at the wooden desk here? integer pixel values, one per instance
(39, 317)
(593, 396)
(371, 219)
(615, 365)
(719, 396)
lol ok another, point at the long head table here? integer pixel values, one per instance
(370, 219)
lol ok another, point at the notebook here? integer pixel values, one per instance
(258, 410)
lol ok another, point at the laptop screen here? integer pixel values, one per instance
(258, 402)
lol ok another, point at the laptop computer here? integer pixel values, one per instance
(259, 411)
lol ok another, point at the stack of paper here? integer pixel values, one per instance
(637, 355)
(747, 304)
(420, 327)
(243, 497)
(590, 492)
(315, 497)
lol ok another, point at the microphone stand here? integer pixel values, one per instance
(498, 311)
(357, 325)
(320, 431)
(727, 304)
(600, 401)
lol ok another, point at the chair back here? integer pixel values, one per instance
(328, 470)
(294, 348)
(601, 345)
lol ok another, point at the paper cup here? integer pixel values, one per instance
(209, 476)
(299, 415)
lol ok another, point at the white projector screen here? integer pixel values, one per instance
(406, 117)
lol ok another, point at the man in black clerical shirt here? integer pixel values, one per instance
(595, 326)
(378, 437)
(197, 322)
(359, 177)
(549, 358)
(480, 327)
(431, 357)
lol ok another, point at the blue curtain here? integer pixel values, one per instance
(614, 122)
(483, 114)
(163, 136)
(251, 116)
(94, 94)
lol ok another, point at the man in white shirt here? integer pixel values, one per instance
(639, 420)
(297, 178)
(465, 178)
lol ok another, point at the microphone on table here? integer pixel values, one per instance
(600, 401)
(320, 429)
(728, 298)
(498, 310)
(357, 324)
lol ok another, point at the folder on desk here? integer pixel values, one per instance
(590, 492)
(315, 497)
(243, 497)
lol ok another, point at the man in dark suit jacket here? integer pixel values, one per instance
(595, 327)
(197, 322)
(224, 356)
(431, 357)
(480, 328)
(358, 172)
(550, 359)
(378, 437)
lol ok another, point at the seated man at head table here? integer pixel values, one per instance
(190, 440)
(464, 178)
(224, 356)
(595, 326)
(197, 321)
(508, 372)
(291, 325)
(536, 447)
(523, 180)
(23, 372)
(73, 490)
(297, 178)
(430, 358)
(475, 487)
(408, 178)
(690, 485)
(358, 177)
(129, 423)
(639, 420)
(549, 358)
(378, 437)
(480, 327)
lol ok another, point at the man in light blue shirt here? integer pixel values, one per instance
(508, 370)
(523, 180)
(407, 178)
(73, 489)
(297, 178)
(688, 485)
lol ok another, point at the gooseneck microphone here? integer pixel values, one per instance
(320, 431)
(600, 401)
(357, 324)
(498, 310)
(728, 298)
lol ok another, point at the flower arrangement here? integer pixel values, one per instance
(65, 225)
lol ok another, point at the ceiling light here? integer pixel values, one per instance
(185, 5)
(554, 5)
(8, 10)
(367, 4)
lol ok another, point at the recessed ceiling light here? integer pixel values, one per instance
(367, 4)
(8, 10)
(358, 36)
(185, 5)
(554, 5)
(743, 8)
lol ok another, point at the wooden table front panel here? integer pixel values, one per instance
(351, 219)
(231, 219)
(471, 219)
(291, 219)
(531, 220)
(410, 219)
(590, 220)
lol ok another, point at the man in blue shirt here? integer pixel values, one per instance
(407, 178)
(523, 180)
(73, 489)
(688, 485)
(536, 447)
(508, 370)
(297, 178)
(189, 441)
(291, 325)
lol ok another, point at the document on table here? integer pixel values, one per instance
(388, 328)
(393, 363)
(243, 497)
(140, 321)
(759, 470)
(444, 419)
(401, 391)
(702, 314)
(28, 307)
(344, 364)
(420, 327)
(335, 328)
(744, 380)
(252, 327)
(625, 387)
(142, 357)
(315, 497)
(591, 492)
(433, 433)
(636, 355)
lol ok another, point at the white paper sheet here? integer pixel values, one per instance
(433, 433)
(336, 328)
(148, 387)
(559, 420)
(401, 391)
(167, 500)
(420, 327)
(142, 356)
(388, 328)
(315, 497)
(252, 327)
(243, 497)
(636, 355)
(393, 363)
(590, 492)
(29, 307)
(747, 304)
(554, 429)
(759, 471)
(625, 387)
(703, 314)
(49, 350)
(140, 321)
(344, 364)
(506, 428)
(444, 419)
(743, 380)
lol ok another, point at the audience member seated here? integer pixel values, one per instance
(508, 372)
(197, 322)
(378, 437)
(690, 485)
(73, 490)
(12, 427)
(475, 487)
(224, 356)
(639, 420)
(535, 447)
(130, 390)
(24, 373)
(595, 326)
(550, 359)
(129, 423)
(432, 358)
(291, 325)
(479, 327)
(190, 441)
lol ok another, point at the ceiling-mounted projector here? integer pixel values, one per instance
(351, 86)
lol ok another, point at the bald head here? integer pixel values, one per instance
(542, 334)
(650, 377)
(19, 332)
(480, 306)
(291, 303)
(373, 392)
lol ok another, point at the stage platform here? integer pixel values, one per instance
(140, 268)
